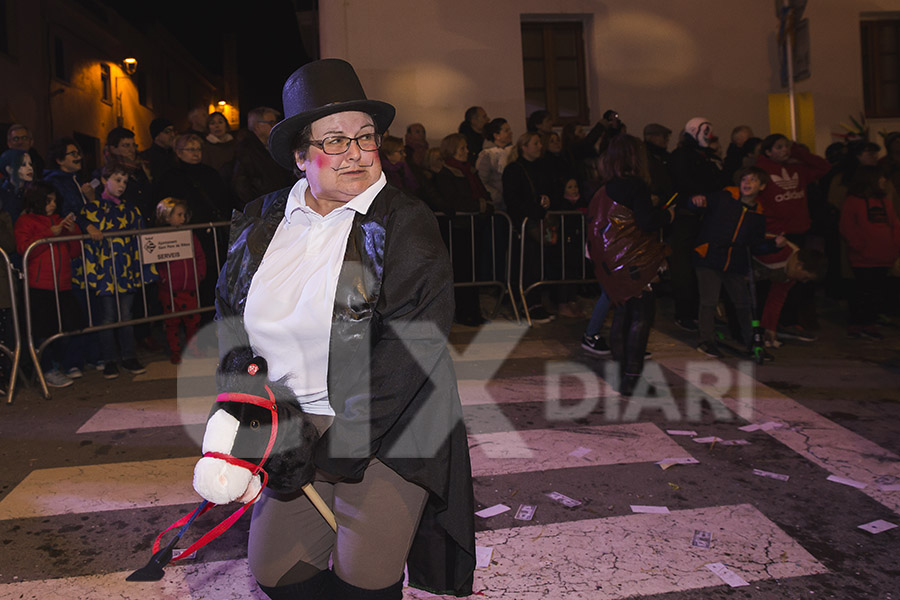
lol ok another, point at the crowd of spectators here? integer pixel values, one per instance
(835, 218)
(207, 170)
(794, 196)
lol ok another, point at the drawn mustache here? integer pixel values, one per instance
(352, 167)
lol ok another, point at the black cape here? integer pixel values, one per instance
(391, 381)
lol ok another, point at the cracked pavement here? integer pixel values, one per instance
(838, 401)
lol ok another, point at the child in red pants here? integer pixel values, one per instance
(783, 269)
(179, 279)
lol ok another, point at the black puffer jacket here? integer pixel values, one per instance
(728, 229)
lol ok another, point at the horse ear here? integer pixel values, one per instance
(256, 366)
(241, 360)
(242, 371)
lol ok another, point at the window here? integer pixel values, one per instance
(60, 69)
(553, 63)
(881, 67)
(105, 83)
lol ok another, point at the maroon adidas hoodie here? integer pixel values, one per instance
(784, 200)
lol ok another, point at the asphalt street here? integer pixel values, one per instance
(91, 476)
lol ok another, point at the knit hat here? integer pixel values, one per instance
(157, 125)
(656, 129)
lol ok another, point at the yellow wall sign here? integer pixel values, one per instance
(780, 117)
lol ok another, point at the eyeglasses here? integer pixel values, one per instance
(268, 122)
(20, 138)
(73, 153)
(338, 144)
(192, 149)
(168, 130)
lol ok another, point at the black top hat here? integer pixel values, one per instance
(316, 90)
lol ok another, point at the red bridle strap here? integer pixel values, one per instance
(254, 469)
(268, 403)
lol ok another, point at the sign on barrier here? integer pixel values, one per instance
(165, 246)
(156, 246)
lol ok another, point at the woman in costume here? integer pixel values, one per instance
(343, 284)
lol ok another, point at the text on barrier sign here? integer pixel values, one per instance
(166, 246)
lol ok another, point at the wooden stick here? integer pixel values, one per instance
(320, 505)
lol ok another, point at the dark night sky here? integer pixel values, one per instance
(269, 47)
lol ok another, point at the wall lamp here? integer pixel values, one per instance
(129, 65)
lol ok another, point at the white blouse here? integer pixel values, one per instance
(291, 299)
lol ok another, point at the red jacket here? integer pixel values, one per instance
(784, 201)
(872, 231)
(181, 272)
(31, 227)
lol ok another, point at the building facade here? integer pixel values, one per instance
(650, 60)
(63, 73)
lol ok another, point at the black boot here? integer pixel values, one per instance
(346, 591)
(317, 587)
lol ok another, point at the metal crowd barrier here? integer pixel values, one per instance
(37, 351)
(496, 223)
(13, 354)
(560, 270)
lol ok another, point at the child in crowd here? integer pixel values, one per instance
(783, 269)
(731, 230)
(49, 276)
(179, 279)
(791, 168)
(872, 230)
(113, 270)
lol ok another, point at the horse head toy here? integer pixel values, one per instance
(256, 436)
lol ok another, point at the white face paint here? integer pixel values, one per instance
(704, 135)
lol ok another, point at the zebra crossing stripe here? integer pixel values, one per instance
(93, 488)
(164, 412)
(129, 485)
(599, 559)
(222, 580)
(633, 555)
(194, 410)
(546, 449)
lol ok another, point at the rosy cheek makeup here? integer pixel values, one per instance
(323, 161)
